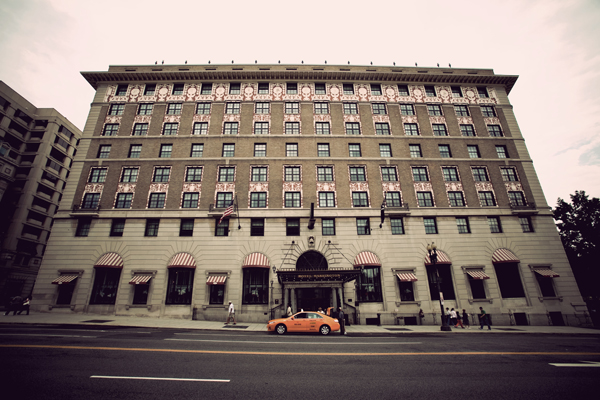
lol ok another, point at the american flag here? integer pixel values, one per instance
(228, 211)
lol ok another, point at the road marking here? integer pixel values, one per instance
(151, 378)
(274, 353)
(589, 364)
(309, 343)
(43, 335)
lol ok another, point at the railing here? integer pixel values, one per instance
(527, 207)
(275, 313)
(78, 208)
(390, 210)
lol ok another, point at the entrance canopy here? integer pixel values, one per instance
(331, 275)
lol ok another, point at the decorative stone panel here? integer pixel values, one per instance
(126, 188)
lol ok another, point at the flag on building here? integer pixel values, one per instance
(228, 211)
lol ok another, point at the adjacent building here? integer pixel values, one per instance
(309, 186)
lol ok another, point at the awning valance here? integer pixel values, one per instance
(546, 272)
(442, 258)
(477, 274)
(182, 260)
(256, 260)
(109, 260)
(406, 277)
(65, 278)
(504, 256)
(216, 279)
(140, 279)
(367, 259)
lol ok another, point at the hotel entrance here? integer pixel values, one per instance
(310, 299)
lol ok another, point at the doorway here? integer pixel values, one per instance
(310, 299)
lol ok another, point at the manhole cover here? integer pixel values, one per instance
(398, 329)
(98, 321)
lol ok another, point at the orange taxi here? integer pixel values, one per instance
(305, 321)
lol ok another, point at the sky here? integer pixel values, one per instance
(553, 45)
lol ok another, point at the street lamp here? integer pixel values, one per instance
(432, 250)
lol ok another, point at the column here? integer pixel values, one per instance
(286, 299)
(294, 305)
(334, 299)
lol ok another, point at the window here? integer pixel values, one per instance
(350, 108)
(174, 108)
(501, 152)
(411, 129)
(292, 108)
(456, 199)
(97, 175)
(480, 174)
(545, 284)
(357, 174)
(261, 108)
(354, 150)
(488, 111)
(257, 227)
(140, 129)
(161, 174)
(385, 150)
(467, 130)
(382, 128)
(352, 128)
(397, 226)
(456, 91)
(124, 200)
(180, 284)
(430, 91)
(415, 150)
(328, 226)
(482, 92)
(388, 174)
(516, 199)
(117, 227)
(177, 89)
(392, 199)
(106, 282)
(193, 174)
(379, 108)
(258, 200)
(495, 130)
(326, 199)
(232, 108)
(157, 200)
(170, 128)
(321, 108)
(116, 109)
(348, 88)
(292, 226)
(509, 280)
(200, 128)
(425, 199)
(90, 201)
(445, 279)
(444, 150)
(203, 108)
(360, 199)
(291, 149)
(206, 88)
(262, 128)
(222, 228)
(325, 174)
(224, 199)
(291, 88)
(165, 150)
(320, 88)
(323, 149)
(149, 89)
(462, 223)
(226, 174)
(292, 174)
(260, 149)
(420, 174)
(403, 90)
(255, 286)
(110, 129)
(292, 128)
(151, 227)
(259, 174)
(376, 89)
(186, 227)
(322, 128)
(369, 285)
(230, 128)
(526, 224)
(487, 199)
(406, 290)
(494, 224)
(129, 174)
(83, 227)
(434, 109)
(473, 151)
(104, 151)
(430, 225)
(407, 109)
(439, 130)
(134, 151)
(235, 88)
(362, 226)
(509, 174)
(292, 199)
(461, 111)
(477, 287)
(450, 174)
(263, 88)
(197, 150)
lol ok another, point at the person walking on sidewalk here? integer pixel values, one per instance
(231, 314)
(24, 307)
(448, 316)
(458, 320)
(342, 321)
(465, 319)
(15, 305)
(484, 319)
(453, 317)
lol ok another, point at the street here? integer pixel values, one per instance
(54, 362)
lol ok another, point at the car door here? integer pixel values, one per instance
(314, 322)
(297, 323)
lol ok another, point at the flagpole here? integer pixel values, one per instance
(237, 208)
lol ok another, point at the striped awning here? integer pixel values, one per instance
(504, 256)
(477, 274)
(256, 260)
(216, 279)
(65, 278)
(109, 260)
(546, 272)
(407, 277)
(367, 259)
(442, 258)
(182, 260)
(140, 279)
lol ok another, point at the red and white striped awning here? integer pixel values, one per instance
(407, 277)
(256, 260)
(442, 258)
(109, 260)
(182, 260)
(367, 259)
(140, 279)
(216, 279)
(504, 256)
(65, 278)
(477, 274)
(546, 272)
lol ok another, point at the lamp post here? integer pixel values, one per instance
(432, 250)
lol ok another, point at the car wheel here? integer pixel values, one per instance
(325, 329)
(280, 329)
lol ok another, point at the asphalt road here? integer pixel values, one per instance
(45, 362)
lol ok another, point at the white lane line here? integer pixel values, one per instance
(589, 364)
(309, 343)
(41, 334)
(151, 378)
(57, 330)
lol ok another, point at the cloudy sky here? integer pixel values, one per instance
(553, 45)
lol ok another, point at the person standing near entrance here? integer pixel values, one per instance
(342, 321)
(231, 313)
(289, 311)
(484, 319)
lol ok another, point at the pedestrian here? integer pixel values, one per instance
(24, 306)
(448, 316)
(465, 319)
(484, 319)
(231, 314)
(289, 310)
(320, 310)
(458, 320)
(421, 316)
(453, 317)
(342, 322)
(15, 305)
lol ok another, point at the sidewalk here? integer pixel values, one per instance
(143, 322)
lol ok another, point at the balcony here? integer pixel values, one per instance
(80, 211)
(524, 209)
(397, 211)
(214, 211)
